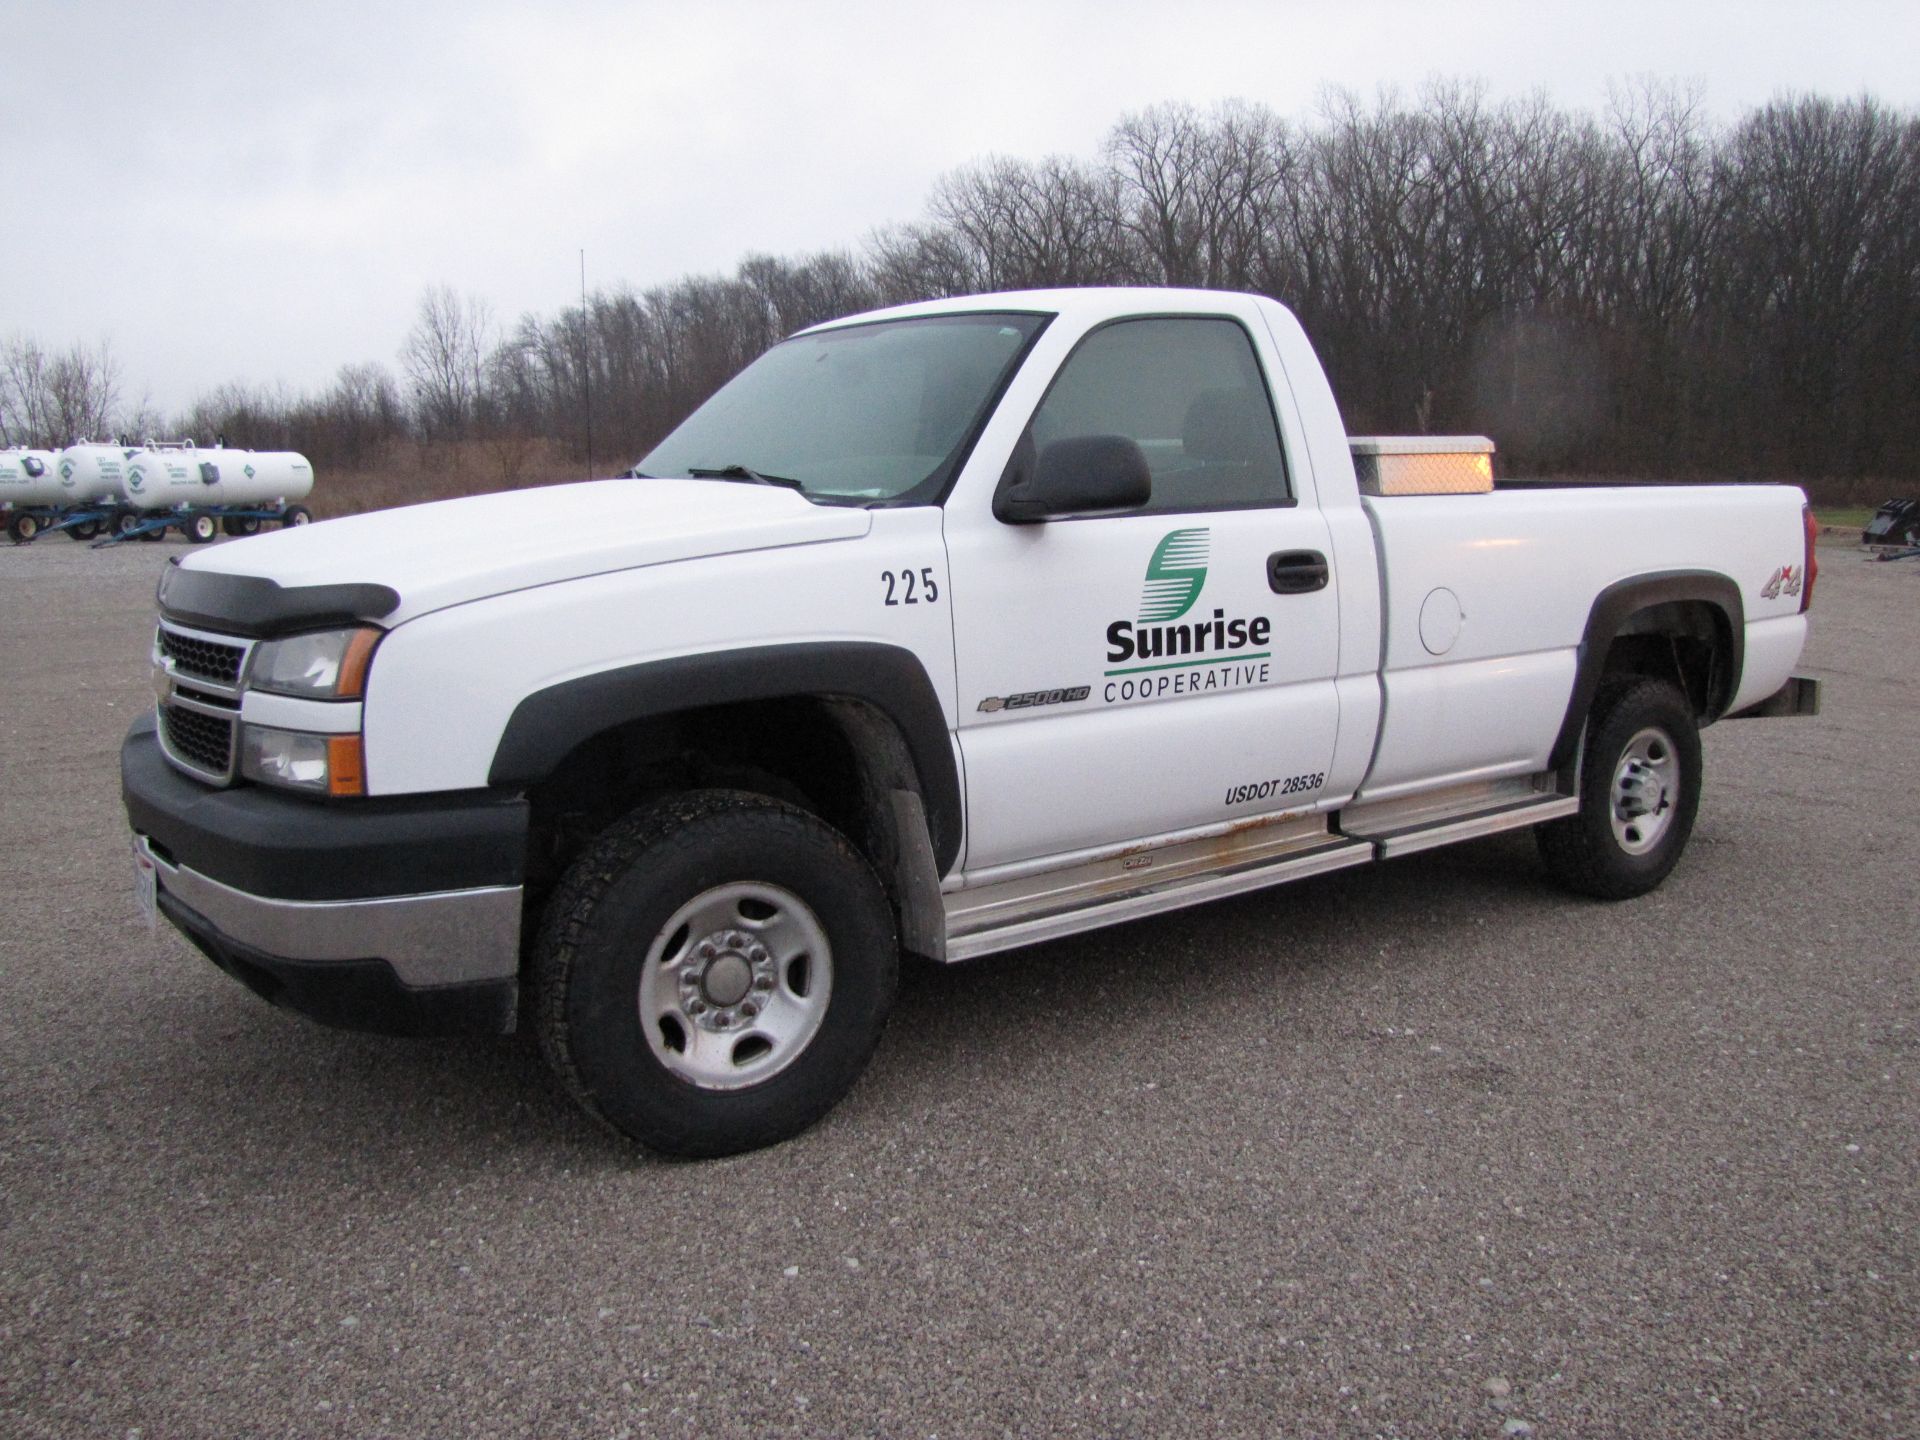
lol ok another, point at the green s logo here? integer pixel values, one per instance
(1175, 576)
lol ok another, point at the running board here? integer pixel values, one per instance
(1411, 837)
(1030, 909)
(1027, 908)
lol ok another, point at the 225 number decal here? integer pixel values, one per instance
(910, 587)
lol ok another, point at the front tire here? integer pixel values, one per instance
(295, 515)
(201, 529)
(714, 972)
(1639, 791)
(23, 528)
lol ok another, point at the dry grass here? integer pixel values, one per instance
(410, 474)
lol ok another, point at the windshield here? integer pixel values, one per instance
(865, 414)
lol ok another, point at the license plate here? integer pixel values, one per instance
(146, 885)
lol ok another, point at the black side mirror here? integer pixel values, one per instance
(1087, 475)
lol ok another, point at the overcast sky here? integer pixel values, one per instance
(259, 192)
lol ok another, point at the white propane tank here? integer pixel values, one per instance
(252, 478)
(164, 475)
(28, 479)
(91, 471)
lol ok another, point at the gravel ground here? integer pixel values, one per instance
(1423, 1149)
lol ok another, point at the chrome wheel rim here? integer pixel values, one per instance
(1646, 782)
(735, 985)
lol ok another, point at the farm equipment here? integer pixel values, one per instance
(175, 485)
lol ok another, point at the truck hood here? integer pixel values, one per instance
(453, 551)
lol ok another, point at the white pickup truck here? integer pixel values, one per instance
(944, 630)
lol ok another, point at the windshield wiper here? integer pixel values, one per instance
(741, 472)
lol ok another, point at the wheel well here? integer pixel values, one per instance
(839, 758)
(1687, 642)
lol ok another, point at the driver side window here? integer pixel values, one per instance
(1189, 392)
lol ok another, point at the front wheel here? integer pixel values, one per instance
(23, 527)
(295, 515)
(714, 972)
(201, 529)
(1639, 790)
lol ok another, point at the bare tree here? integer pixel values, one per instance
(444, 358)
(24, 418)
(52, 399)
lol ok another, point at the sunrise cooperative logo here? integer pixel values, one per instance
(1157, 657)
(1175, 576)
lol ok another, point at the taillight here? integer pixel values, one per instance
(1811, 569)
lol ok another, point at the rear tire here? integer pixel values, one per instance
(296, 515)
(714, 972)
(200, 529)
(23, 528)
(1639, 791)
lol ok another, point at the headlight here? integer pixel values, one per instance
(328, 665)
(324, 764)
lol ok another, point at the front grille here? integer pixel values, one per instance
(206, 659)
(204, 741)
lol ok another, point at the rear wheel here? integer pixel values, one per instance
(714, 972)
(87, 529)
(23, 528)
(1639, 791)
(296, 515)
(125, 522)
(201, 529)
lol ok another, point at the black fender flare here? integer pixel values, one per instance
(549, 724)
(1619, 603)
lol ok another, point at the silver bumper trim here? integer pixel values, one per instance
(449, 938)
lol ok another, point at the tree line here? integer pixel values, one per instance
(1640, 292)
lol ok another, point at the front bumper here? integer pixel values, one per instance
(400, 916)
